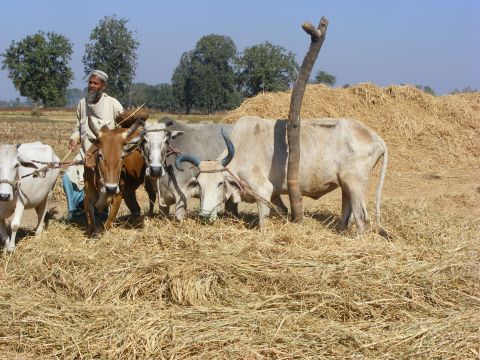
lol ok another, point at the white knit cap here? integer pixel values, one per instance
(101, 74)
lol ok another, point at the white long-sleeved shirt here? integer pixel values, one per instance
(102, 113)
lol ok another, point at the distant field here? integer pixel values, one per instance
(70, 115)
(292, 291)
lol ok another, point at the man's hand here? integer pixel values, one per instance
(72, 144)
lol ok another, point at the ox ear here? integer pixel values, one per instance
(233, 190)
(174, 134)
(136, 140)
(27, 164)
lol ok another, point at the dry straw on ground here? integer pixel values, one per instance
(224, 291)
(228, 291)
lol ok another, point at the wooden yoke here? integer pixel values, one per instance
(317, 36)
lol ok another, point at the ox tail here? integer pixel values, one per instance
(378, 193)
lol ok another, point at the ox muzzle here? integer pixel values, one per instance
(155, 171)
(7, 194)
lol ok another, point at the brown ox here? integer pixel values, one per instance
(116, 174)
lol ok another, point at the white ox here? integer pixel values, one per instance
(19, 190)
(155, 147)
(334, 153)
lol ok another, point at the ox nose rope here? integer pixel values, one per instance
(13, 184)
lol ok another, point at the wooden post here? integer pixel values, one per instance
(317, 36)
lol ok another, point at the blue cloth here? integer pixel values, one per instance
(74, 196)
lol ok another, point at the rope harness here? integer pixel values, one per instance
(52, 165)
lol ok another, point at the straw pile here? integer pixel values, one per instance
(420, 130)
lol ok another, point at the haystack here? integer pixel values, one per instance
(420, 130)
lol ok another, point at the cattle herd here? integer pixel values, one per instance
(221, 164)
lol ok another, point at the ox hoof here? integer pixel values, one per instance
(95, 234)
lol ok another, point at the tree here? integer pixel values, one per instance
(465, 90)
(181, 82)
(323, 77)
(204, 78)
(265, 67)
(112, 48)
(38, 67)
(163, 98)
(154, 96)
(427, 89)
(212, 75)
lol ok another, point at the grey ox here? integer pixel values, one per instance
(19, 190)
(334, 153)
(161, 141)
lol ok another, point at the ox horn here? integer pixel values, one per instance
(131, 129)
(230, 148)
(168, 122)
(192, 159)
(93, 127)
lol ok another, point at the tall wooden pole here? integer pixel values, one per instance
(317, 36)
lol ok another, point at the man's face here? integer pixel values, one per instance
(95, 84)
(95, 88)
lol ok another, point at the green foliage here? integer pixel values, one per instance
(154, 96)
(181, 82)
(427, 89)
(38, 67)
(323, 77)
(204, 78)
(112, 48)
(265, 67)
(465, 90)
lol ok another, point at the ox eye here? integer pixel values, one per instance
(16, 165)
(220, 184)
(193, 183)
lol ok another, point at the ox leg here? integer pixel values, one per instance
(112, 214)
(180, 208)
(15, 225)
(263, 209)
(131, 201)
(89, 202)
(41, 212)
(149, 188)
(231, 208)
(359, 210)
(277, 200)
(346, 210)
(3, 232)
(165, 210)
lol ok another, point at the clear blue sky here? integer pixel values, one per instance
(428, 42)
